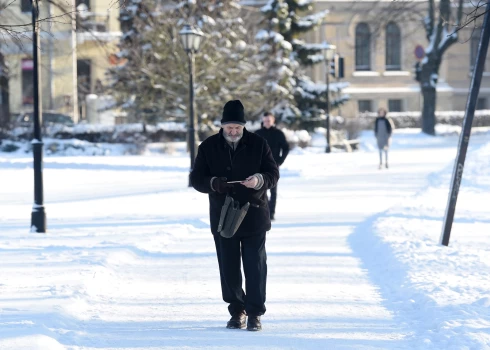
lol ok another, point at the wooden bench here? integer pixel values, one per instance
(347, 145)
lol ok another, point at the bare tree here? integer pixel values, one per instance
(4, 95)
(441, 21)
(441, 35)
(380, 13)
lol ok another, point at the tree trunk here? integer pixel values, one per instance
(4, 103)
(429, 110)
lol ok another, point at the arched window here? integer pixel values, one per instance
(393, 47)
(363, 47)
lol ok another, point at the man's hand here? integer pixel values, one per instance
(220, 185)
(251, 182)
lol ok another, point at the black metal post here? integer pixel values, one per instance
(328, 107)
(464, 137)
(192, 119)
(38, 217)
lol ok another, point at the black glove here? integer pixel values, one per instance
(221, 186)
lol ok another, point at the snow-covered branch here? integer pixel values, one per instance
(450, 38)
(429, 20)
(312, 20)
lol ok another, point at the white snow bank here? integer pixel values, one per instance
(415, 138)
(74, 147)
(442, 293)
(33, 342)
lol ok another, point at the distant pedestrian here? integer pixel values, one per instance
(383, 129)
(279, 147)
(238, 164)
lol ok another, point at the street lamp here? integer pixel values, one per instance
(191, 40)
(329, 54)
(38, 216)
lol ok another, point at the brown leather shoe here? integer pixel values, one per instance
(237, 321)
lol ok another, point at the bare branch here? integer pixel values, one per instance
(453, 37)
(444, 14)
(468, 22)
(7, 5)
(42, 20)
(429, 20)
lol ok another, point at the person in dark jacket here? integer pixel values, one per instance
(383, 129)
(234, 154)
(279, 147)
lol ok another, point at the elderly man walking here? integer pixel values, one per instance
(239, 164)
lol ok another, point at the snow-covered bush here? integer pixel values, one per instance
(8, 147)
(300, 138)
(124, 133)
(413, 119)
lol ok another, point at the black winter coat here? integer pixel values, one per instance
(252, 155)
(277, 142)
(387, 122)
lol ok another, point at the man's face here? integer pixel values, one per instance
(382, 112)
(268, 121)
(233, 132)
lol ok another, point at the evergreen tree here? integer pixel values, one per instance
(132, 82)
(155, 75)
(291, 19)
(276, 54)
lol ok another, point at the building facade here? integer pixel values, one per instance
(381, 45)
(381, 40)
(73, 62)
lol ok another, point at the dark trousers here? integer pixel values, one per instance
(272, 200)
(252, 252)
(381, 156)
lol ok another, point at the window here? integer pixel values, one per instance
(481, 103)
(84, 78)
(85, 2)
(365, 106)
(395, 106)
(393, 47)
(25, 5)
(475, 41)
(27, 66)
(84, 83)
(363, 47)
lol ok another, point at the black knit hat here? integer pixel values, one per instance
(233, 112)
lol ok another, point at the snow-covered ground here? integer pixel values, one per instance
(354, 259)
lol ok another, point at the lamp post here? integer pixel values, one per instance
(191, 40)
(38, 217)
(328, 53)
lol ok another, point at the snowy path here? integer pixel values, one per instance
(133, 266)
